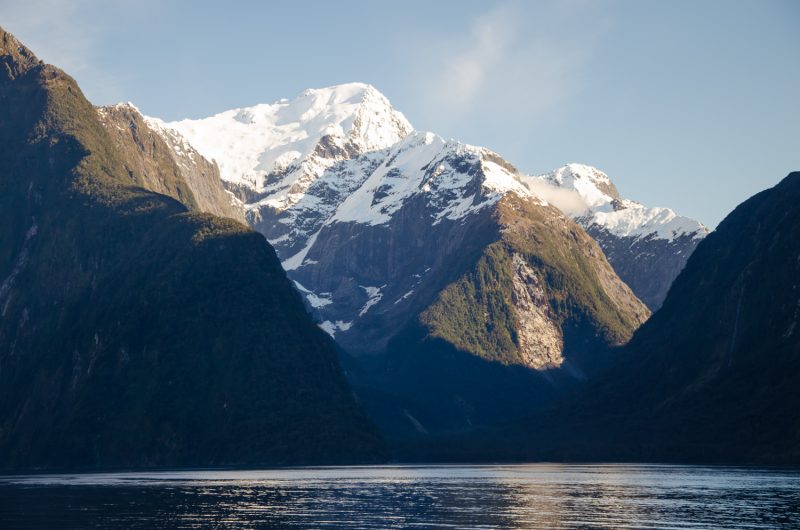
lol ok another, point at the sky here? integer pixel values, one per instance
(694, 105)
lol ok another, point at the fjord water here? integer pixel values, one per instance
(502, 496)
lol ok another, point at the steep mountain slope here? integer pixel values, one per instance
(132, 331)
(167, 163)
(714, 374)
(647, 247)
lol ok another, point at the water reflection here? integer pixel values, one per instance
(521, 496)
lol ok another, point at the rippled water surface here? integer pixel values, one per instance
(514, 496)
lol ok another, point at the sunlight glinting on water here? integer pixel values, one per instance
(520, 496)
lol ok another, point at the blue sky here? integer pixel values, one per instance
(693, 105)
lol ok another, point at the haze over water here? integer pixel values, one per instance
(513, 496)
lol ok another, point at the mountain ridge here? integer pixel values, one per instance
(289, 202)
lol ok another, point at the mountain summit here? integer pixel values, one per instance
(277, 150)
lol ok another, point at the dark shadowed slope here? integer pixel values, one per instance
(132, 331)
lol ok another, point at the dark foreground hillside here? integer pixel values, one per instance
(132, 331)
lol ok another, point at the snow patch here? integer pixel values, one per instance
(332, 327)
(374, 296)
(316, 301)
(409, 293)
(297, 260)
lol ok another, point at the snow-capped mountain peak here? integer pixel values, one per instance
(279, 149)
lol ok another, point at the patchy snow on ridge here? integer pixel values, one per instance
(454, 178)
(176, 140)
(632, 219)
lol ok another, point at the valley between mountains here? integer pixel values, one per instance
(315, 281)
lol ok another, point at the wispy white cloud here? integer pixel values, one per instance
(464, 75)
(568, 201)
(514, 64)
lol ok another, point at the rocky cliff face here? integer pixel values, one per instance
(135, 332)
(648, 264)
(167, 163)
(536, 294)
